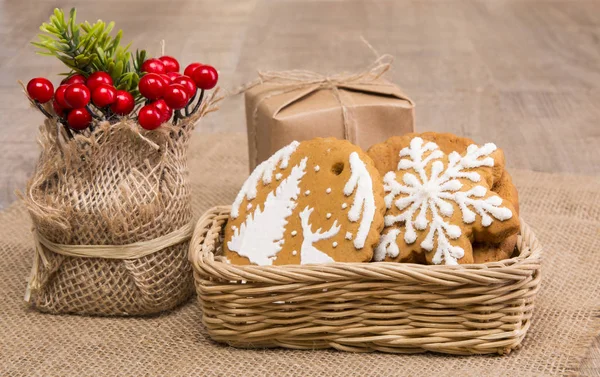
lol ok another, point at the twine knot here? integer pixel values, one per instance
(298, 79)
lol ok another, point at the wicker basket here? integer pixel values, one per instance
(362, 307)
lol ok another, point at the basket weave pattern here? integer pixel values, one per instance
(363, 307)
(114, 187)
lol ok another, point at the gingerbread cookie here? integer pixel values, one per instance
(316, 201)
(439, 201)
(502, 185)
(493, 252)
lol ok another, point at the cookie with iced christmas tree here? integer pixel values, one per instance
(316, 201)
(448, 200)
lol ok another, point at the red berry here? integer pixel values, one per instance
(59, 110)
(104, 95)
(98, 78)
(166, 79)
(173, 75)
(79, 119)
(176, 96)
(123, 104)
(205, 77)
(189, 70)
(40, 89)
(153, 66)
(74, 79)
(77, 95)
(171, 64)
(187, 83)
(152, 86)
(59, 96)
(165, 111)
(149, 117)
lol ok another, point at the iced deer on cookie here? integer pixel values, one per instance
(316, 201)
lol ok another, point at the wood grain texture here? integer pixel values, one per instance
(524, 74)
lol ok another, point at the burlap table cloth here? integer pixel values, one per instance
(564, 212)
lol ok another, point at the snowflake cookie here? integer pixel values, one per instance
(327, 205)
(440, 203)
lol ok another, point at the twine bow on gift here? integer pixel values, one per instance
(288, 81)
(298, 79)
(120, 252)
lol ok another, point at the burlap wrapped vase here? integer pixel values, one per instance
(112, 217)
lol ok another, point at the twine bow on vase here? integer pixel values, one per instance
(119, 252)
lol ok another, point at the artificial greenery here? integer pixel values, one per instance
(86, 48)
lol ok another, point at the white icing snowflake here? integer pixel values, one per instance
(419, 195)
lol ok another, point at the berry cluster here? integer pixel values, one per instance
(167, 90)
(79, 99)
(71, 100)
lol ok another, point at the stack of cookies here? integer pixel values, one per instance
(419, 198)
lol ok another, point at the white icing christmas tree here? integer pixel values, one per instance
(309, 253)
(419, 195)
(260, 237)
(364, 201)
(263, 172)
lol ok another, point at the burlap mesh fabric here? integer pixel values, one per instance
(111, 188)
(564, 212)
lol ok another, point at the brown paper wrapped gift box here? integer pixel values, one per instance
(362, 111)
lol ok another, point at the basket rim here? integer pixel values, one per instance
(209, 227)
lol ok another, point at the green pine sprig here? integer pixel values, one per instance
(86, 48)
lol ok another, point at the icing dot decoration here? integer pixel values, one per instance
(328, 215)
(294, 233)
(294, 252)
(278, 176)
(348, 235)
(328, 190)
(335, 244)
(344, 206)
(317, 168)
(307, 192)
(309, 253)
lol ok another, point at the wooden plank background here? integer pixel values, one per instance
(524, 74)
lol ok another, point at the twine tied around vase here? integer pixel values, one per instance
(120, 252)
(284, 82)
